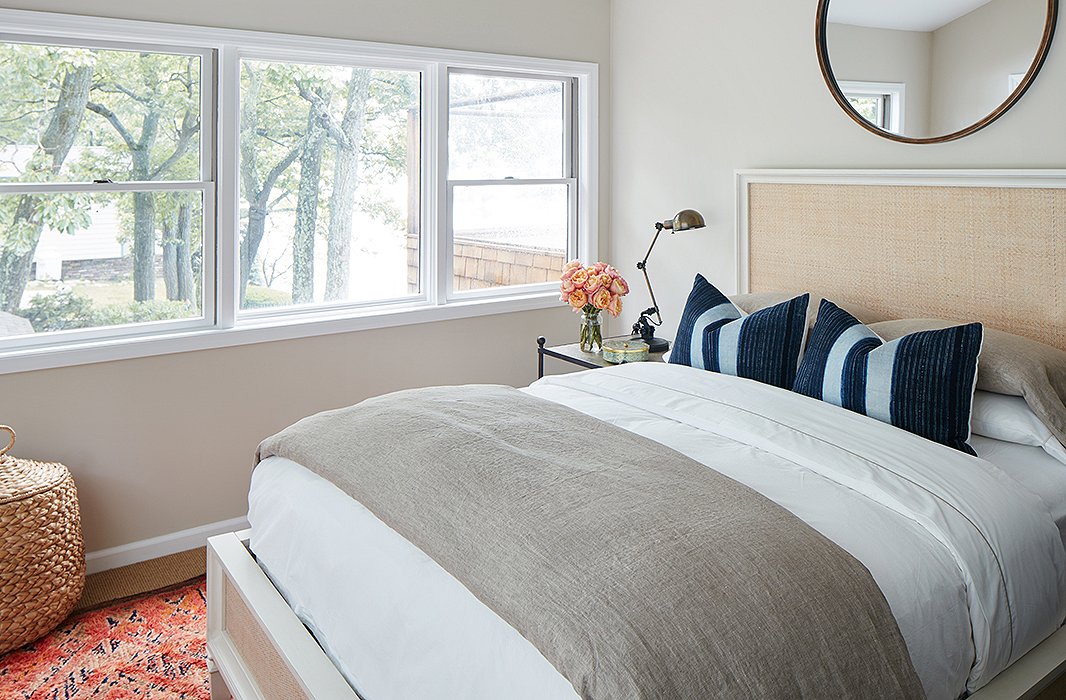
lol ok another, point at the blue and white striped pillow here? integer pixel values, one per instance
(706, 308)
(922, 382)
(764, 346)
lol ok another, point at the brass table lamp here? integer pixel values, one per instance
(645, 326)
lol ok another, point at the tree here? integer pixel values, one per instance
(261, 122)
(311, 132)
(303, 238)
(390, 148)
(178, 249)
(28, 221)
(150, 88)
(272, 266)
(347, 137)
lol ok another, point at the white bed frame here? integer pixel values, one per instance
(259, 650)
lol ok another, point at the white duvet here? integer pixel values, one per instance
(971, 563)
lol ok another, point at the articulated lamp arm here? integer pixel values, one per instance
(645, 325)
(643, 267)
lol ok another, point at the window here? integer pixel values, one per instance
(102, 190)
(166, 187)
(510, 179)
(329, 173)
(881, 104)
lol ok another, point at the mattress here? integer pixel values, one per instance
(397, 625)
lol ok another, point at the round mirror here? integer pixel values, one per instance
(929, 71)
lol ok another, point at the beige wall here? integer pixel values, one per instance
(974, 56)
(162, 444)
(165, 443)
(743, 90)
(887, 56)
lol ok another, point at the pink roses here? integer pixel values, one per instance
(597, 287)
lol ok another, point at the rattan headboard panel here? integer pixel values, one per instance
(990, 254)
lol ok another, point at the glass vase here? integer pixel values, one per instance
(591, 335)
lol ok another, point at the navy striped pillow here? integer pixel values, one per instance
(706, 308)
(764, 346)
(922, 383)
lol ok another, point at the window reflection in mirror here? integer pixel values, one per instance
(956, 60)
(881, 104)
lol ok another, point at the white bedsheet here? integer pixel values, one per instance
(970, 562)
(392, 620)
(1034, 469)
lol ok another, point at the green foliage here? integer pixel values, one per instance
(142, 122)
(393, 95)
(139, 88)
(21, 235)
(69, 311)
(274, 120)
(59, 312)
(263, 297)
(151, 96)
(30, 88)
(65, 213)
(142, 312)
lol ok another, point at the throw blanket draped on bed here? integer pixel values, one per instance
(636, 571)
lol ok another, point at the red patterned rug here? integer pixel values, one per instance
(149, 647)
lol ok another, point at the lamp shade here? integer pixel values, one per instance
(685, 219)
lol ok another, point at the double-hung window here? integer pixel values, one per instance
(106, 191)
(167, 188)
(511, 186)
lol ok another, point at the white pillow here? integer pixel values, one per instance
(1009, 418)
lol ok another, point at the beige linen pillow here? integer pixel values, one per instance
(1009, 365)
(750, 303)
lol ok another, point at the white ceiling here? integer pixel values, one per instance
(911, 15)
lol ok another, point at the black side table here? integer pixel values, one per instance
(573, 354)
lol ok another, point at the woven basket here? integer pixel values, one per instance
(42, 556)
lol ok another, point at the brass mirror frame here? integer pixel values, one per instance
(820, 30)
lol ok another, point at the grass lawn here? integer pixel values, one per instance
(101, 293)
(121, 293)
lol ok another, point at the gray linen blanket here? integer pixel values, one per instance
(636, 571)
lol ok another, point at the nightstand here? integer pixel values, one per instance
(574, 355)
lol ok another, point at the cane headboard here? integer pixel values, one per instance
(966, 245)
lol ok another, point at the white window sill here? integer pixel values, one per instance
(265, 330)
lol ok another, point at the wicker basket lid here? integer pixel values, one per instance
(24, 478)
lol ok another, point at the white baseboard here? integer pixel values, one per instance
(143, 550)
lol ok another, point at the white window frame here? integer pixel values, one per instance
(355, 58)
(228, 47)
(893, 94)
(205, 186)
(569, 178)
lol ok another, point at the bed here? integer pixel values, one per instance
(280, 627)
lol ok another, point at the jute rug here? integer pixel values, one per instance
(116, 585)
(149, 647)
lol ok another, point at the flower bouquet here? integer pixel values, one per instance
(588, 291)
